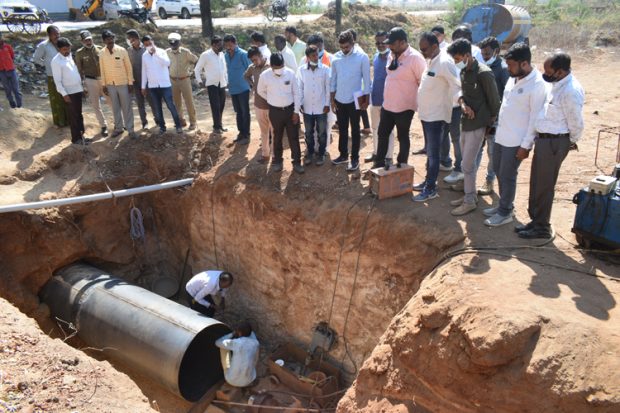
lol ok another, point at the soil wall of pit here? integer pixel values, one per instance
(290, 252)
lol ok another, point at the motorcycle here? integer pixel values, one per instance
(140, 15)
(278, 9)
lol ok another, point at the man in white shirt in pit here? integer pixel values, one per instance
(203, 289)
(239, 353)
(523, 101)
(314, 90)
(156, 77)
(558, 128)
(289, 57)
(212, 64)
(68, 83)
(278, 86)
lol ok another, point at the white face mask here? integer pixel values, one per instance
(490, 61)
(313, 64)
(278, 72)
(384, 51)
(461, 65)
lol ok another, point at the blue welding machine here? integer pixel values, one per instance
(598, 212)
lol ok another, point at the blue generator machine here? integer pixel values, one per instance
(598, 212)
(509, 24)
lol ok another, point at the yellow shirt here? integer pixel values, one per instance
(181, 62)
(115, 66)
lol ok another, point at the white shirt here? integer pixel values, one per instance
(213, 65)
(439, 86)
(240, 366)
(289, 58)
(155, 69)
(522, 103)
(477, 53)
(279, 91)
(264, 50)
(563, 110)
(66, 75)
(313, 88)
(444, 45)
(203, 284)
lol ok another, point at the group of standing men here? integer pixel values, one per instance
(142, 71)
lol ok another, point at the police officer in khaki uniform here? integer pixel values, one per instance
(182, 61)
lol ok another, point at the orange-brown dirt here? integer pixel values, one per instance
(501, 334)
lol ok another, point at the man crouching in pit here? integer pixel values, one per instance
(239, 354)
(204, 287)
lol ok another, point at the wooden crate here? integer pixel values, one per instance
(393, 182)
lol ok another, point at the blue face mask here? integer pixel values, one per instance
(461, 65)
(321, 53)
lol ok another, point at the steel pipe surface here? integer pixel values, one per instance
(160, 338)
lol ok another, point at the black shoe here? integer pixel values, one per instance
(223, 129)
(297, 167)
(535, 233)
(276, 166)
(308, 159)
(370, 158)
(340, 160)
(104, 131)
(116, 133)
(145, 125)
(526, 227)
(243, 141)
(353, 166)
(420, 152)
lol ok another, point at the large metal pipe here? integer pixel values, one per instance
(160, 338)
(509, 24)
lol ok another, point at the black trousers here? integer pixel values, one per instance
(387, 122)
(196, 306)
(217, 101)
(348, 115)
(548, 157)
(76, 120)
(280, 119)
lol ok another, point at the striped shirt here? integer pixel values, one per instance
(115, 66)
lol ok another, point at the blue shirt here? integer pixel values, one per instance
(379, 64)
(237, 66)
(350, 74)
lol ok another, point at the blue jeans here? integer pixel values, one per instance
(433, 134)
(452, 134)
(165, 93)
(11, 87)
(320, 123)
(241, 105)
(490, 141)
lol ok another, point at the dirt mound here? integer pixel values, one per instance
(456, 348)
(44, 374)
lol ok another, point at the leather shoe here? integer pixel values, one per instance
(535, 233)
(526, 227)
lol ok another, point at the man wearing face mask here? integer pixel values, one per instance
(213, 65)
(261, 107)
(379, 64)
(524, 98)
(278, 86)
(69, 84)
(350, 75)
(480, 104)
(490, 52)
(326, 60)
(405, 69)
(87, 61)
(135, 50)
(558, 129)
(181, 62)
(439, 87)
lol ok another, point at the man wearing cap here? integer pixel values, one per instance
(155, 78)
(87, 61)
(213, 65)
(181, 62)
(237, 62)
(135, 51)
(69, 84)
(8, 74)
(43, 55)
(117, 78)
(405, 69)
(204, 289)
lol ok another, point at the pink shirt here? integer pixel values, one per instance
(401, 85)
